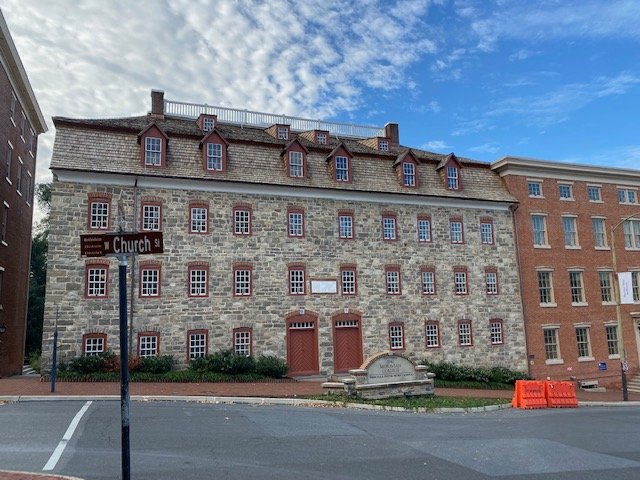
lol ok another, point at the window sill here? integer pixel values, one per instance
(567, 199)
(542, 246)
(603, 248)
(586, 359)
(548, 305)
(555, 361)
(596, 201)
(573, 247)
(632, 249)
(609, 304)
(580, 304)
(614, 357)
(19, 192)
(541, 197)
(8, 180)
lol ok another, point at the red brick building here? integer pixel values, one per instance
(21, 122)
(563, 229)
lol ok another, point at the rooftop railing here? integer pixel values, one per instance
(260, 119)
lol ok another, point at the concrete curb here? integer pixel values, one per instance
(9, 474)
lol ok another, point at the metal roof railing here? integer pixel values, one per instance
(261, 119)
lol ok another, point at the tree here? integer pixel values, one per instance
(38, 273)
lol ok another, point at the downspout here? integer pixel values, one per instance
(133, 268)
(513, 209)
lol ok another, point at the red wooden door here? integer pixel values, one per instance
(347, 345)
(302, 347)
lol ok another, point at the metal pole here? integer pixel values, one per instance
(54, 358)
(616, 291)
(124, 369)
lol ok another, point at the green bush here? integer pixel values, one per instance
(271, 366)
(161, 364)
(451, 372)
(90, 363)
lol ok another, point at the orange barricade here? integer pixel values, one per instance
(560, 394)
(529, 394)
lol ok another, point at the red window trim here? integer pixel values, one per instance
(437, 324)
(198, 204)
(465, 322)
(150, 201)
(153, 131)
(299, 210)
(446, 177)
(315, 137)
(453, 220)
(382, 139)
(98, 197)
(295, 147)
(206, 341)
(242, 207)
(501, 322)
(150, 334)
(93, 263)
(241, 330)
(349, 267)
(401, 325)
(349, 167)
(201, 119)
(492, 270)
(242, 266)
(424, 217)
(390, 215)
(415, 174)
(392, 268)
(347, 213)
(488, 220)
(86, 336)
(150, 265)
(197, 266)
(461, 269)
(295, 266)
(435, 284)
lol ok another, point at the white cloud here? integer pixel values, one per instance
(490, 147)
(436, 146)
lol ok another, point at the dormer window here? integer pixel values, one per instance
(208, 123)
(283, 132)
(383, 144)
(321, 138)
(153, 151)
(153, 146)
(296, 165)
(409, 174)
(295, 159)
(342, 168)
(214, 152)
(453, 178)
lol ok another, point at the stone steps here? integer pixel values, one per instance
(634, 384)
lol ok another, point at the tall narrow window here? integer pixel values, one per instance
(432, 334)
(153, 151)
(242, 344)
(283, 133)
(464, 334)
(631, 229)
(396, 336)
(241, 280)
(539, 227)
(297, 280)
(8, 161)
(214, 157)
(635, 285)
(453, 178)
(576, 284)
(149, 280)
(424, 229)
(599, 233)
(460, 281)
(12, 108)
(495, 330)
(198, 218)
(486, 231)
(345, 225)
(594, 193)
(456, 230)
(545, 288)
(612, 340)
(151, 219)
(389, 227)
(242, 220)
(570, 232)
(198, 342)
(99, 211)
(491, 281)
(566, 191)
(392, 276)
(198, 279)
(342, 168)
(428, 281)
(96, 280)
(296, 223)
(584, 343)
(606, 290)
(5, 222)
(23, 127)
(296, 165)
(348, 279)
(552, 345)
(409, 174)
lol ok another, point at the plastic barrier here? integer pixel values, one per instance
(529, 394)
(560, 394)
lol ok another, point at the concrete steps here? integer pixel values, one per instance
(633, 385)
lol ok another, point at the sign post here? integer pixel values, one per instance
(122, 245)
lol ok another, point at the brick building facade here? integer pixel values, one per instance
(286, 237)
(563, 224)
(21, 122)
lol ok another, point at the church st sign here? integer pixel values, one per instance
(115, 244)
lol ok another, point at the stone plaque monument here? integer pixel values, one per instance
(385, 375)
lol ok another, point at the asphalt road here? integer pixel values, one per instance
(177, 440)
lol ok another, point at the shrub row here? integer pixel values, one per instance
(227, 362)
(461, 373)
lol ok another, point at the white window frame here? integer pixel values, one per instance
(605, 280)
(631, 232)
(99, 215)
(97, 281)
(296, 164)
(214, 157)
(409, 174)
(348, 281)
(611, 333)
(627, 196)
(583, 343)
(151, 217)
(537, 233)
(150, 282)
(432, 334)
(198, 219)
(198, 282)
(295, 224)
(148, 346)
(534, 188)
(197, 344)
(242, 282)
(486, 233)
(342, 168)
(456, 231)
(597, 198)
(460, 282)
(428, 282)
(389, 228)
(345, 226)
(453, 178)
(491, 282)
(297, 281)
(576, 288)
(465, 336)
(565, 191)
(396, 336)
(94, 346)
(392, 286)
(242, 342)
(551, 343)
(570, 230)
(424, 230)
(153, 151)
(242, 221)
(599, 233)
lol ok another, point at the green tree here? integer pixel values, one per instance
(38, 273)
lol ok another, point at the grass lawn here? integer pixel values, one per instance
(425, 402)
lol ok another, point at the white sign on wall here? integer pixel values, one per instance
(626, 287)
(324, 286)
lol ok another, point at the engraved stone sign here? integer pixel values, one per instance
(391, 368)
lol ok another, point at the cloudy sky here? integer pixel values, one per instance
(550, 79)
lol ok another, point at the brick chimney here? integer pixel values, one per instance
(157, 104)
(391, 131)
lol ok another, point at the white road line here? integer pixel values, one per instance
(57, 453)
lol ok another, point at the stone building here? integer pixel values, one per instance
(564, 221)
(21, 122)
(321, 243)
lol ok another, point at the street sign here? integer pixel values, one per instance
(115, 244)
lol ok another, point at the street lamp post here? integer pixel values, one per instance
(616, 288)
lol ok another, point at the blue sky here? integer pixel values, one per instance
(549, 79)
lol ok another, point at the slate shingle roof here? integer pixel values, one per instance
(254, 156)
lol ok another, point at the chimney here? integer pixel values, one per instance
(157, 104)
(391, 131)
